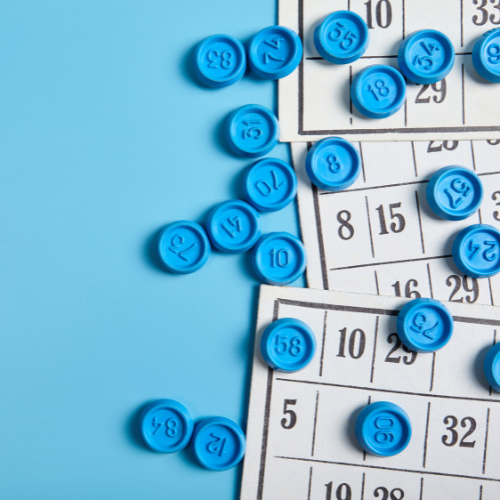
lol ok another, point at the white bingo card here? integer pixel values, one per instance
(300, 436)
(380, 236)
(314, 101)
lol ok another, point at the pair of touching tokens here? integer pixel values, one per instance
(273, 53)
(167, 427)
(455, 193)
(289, 345)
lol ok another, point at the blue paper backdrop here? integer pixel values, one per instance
(104, 138)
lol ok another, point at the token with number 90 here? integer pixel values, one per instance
(288, 345)
(383, 429)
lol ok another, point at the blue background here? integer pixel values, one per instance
(104, 139)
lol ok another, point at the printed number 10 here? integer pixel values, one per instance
(280, 258)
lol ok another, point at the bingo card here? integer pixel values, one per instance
(301, 442)
(314, 101)
(380, 236)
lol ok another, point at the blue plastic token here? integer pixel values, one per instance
(426, 56)
(333, 164)
(492, 367)
(378, 91)
(218, 443)
(454, 193)
(270, 185)
(184, 247)
(220, 61)
(288, 345)
(486, 55)
(166, 426)
(383, 429)
(275, 52)
(424, 325)
(252, 131)
(233, 226)
(342, 37)
(279, 258)
(476, 251)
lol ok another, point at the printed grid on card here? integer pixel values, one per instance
(300, 433)
(380, 236)
(314, 101)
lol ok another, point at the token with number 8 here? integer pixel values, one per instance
(288, 345)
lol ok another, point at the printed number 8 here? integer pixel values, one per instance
(334, 164)
(171, 427)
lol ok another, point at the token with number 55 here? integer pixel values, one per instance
(288, 345)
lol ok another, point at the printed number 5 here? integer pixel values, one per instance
(293, 415)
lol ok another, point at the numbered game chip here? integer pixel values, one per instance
(166, 426)
(252, 131)
(424, 325)
(220, 61)
(486, 56)
(270, 185)
(378, 91)
(183, 247)
(288, 345)
(476, 251)
(342, 37)
(279, 258)
(218, 443)
(383, 429)
(233, 226)
(492, 367)
(426, 57)
(454, 193)
(333, 164)
(275, 52)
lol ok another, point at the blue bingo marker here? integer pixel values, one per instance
(183, 247)
(252, 131)
(383, 429)
(218, 443)
(378, 91)
(220, 61)
(270, 185)
(492, 367)
(166, 426)
(486, 55)
(454, 193)
(424, 325)
(275, 52)
(288, 345)
(476, 251)
(426, 56)
(333, 164)
(279, 258)
(233, 226)
(342, 37)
